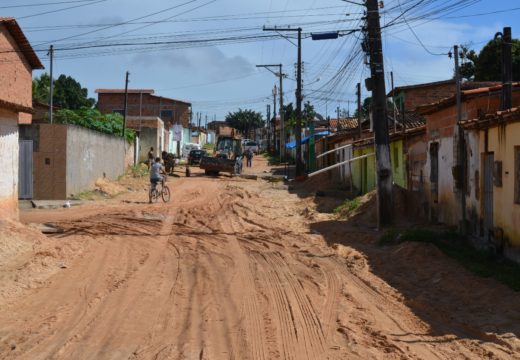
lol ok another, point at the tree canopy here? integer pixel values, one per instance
(93, 119)
(308, 114)
(487, 64)
(68, 93)
(245, 120)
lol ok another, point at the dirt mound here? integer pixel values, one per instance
(364, 208)
(110, 188)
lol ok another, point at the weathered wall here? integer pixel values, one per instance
(92, 155)
(147, 139)
(502, 141)
(426, 95)
(15, 73)
(8, 165)
(473, 181)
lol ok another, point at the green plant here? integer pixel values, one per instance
(139, 170)
(347, 206)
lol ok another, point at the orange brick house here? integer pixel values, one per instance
(17, 61)
(144, 107)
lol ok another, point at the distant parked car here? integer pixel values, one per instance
(195, 155)
(251, 145)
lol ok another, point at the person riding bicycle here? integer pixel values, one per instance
(156, 169)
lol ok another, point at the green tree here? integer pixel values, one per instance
(68, 93)
(93, 119)
(487, 65)
(245, 120)
(308, 114)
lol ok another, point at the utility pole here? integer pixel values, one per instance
(461, 151)
(126, 103)
(280, 75)
(51, 97)
(268, 128)
(358, 93)
(507, 69)
(275, 93)
(393, 101)
(385, 206)
(299, 98)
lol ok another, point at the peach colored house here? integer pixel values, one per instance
(17, 61)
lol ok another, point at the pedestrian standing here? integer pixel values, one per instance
(151, 157)
(249, 157)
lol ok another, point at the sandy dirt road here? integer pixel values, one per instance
(243, 269)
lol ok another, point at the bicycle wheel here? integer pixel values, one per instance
(165, 193)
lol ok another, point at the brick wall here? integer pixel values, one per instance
(15, 73)
(415, 97)
(143, 104)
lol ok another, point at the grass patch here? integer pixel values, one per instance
(86, 195)
(347, 206)
(272, 159)
(482, 263)
(139, 170)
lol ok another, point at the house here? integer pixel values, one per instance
(151, 130)
(17, 61)
(408, 98)
(446, 162)
(145, 105)
(494, 217)
(220, 128)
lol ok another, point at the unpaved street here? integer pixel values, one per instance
(244, 269)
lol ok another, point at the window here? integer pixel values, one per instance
(120, 112)
(517, 174)
(166, 114)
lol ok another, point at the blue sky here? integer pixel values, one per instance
(218, 78)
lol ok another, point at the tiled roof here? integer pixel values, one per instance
(431, 108)
(22, 42)
(489, 120)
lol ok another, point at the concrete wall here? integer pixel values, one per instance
(92, 155)
(8, 165)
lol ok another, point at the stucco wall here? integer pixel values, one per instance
(502, 141)
(92, 155)
(15, 73)
(8, 165)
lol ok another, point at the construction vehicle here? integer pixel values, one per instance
(227, 157)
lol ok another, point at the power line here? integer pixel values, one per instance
(59, 10)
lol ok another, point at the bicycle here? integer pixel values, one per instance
(163, 192)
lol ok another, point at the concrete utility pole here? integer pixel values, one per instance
(268, 127)
(461, 151)
(126, 103)
(51, 96)
(393, 102)
(385, 206)
(507, 69)
(359, 115)
(299, 98)
(280, 75)
(275, 93)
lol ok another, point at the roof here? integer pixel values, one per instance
(490, 120)
(138, 91)
(122, 91)
(415, 86)
(15, 107)
(22, 42)
(438, 105)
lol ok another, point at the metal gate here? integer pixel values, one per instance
(25, 171)
(488, 194)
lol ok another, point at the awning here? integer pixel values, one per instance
(292, 144)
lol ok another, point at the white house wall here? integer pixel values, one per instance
(9, 166)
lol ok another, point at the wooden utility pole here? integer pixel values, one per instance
(393, 102)
(51, 96)
(126, 103)
(385, 205)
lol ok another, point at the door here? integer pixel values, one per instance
(434, 180)
(25, 170)
(488, 195)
